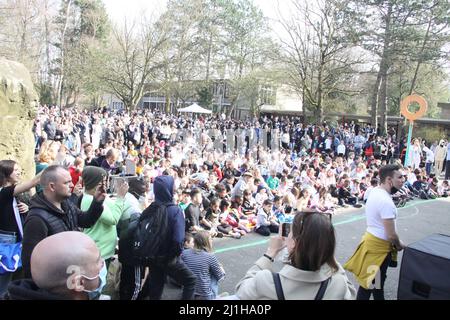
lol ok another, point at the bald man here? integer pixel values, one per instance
(65, 266)
(51, 212)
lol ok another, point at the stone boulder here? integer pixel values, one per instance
(18, 106)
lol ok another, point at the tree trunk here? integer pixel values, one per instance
(374, 101)
(382, 76)
(383, 105)
(303, 105)
(63, 36)
(419, 62)
(47, 43)
(384, 67)
(208, 58)
(319, 106)
(167, 104)
(233, 106)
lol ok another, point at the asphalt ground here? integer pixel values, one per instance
(417, 220)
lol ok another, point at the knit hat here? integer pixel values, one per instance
(92, 176)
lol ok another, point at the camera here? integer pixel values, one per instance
(116, 181)
(285, 229)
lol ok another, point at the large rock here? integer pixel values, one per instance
(18, 105)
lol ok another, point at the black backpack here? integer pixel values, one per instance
(150, 234)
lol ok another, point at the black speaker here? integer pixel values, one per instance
(425, 270)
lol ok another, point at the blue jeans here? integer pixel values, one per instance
(428, 167)
(214, 286)
(5, 279)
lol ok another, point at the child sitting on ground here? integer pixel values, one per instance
(224, 227)
(261, 196)
(243, 220)
(249, 205)
(266, 222)
(443, 189)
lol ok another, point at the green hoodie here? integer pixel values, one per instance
(104, 232)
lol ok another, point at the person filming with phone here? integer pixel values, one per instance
(104, 231)
(312, 272)
(51, 212)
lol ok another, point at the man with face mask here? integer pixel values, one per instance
(439, 158)
(380, 244)
(65, 266)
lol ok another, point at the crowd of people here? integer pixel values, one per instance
(101, 172)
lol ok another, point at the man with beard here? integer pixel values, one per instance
(51, 212)
(380, 244)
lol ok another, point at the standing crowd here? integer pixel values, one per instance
(116, 176)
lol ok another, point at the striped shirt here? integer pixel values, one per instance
(203, 265)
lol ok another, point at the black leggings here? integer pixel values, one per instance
(378, 293)
(177, 270)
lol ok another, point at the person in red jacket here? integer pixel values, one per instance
(76, 170)
(217, 171)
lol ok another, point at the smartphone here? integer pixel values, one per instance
(285, 229)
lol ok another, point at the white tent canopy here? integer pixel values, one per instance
(195, 108)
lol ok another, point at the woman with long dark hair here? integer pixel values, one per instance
(312, 272)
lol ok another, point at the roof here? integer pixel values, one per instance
(195, 108)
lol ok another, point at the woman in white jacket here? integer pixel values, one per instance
(313, 272)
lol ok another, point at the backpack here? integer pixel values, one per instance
(149, 234)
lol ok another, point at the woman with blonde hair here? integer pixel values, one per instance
(303, 201)
(51, 152)
(205, 266)
(47, 154)
(290, 200)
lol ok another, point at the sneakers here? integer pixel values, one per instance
(358, 205)
(237, 236)
(223, 295)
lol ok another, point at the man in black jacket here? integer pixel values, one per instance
(51, 212)
(174, 265)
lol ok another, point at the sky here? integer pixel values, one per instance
(118, 10)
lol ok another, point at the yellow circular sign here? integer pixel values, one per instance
(410, 99)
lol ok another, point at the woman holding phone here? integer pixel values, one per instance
(312, 272)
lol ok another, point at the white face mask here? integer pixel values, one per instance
(95, 294)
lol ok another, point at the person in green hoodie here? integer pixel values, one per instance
(104, 232)
(273, 182)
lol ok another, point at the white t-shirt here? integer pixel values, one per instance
(285, 138)
(379, 207)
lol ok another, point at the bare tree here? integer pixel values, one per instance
(133, 60)
(317, 53)
(68, 5)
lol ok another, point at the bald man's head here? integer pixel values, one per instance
(55, 258)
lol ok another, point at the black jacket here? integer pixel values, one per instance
(44, 220)
(26, 289)
(163, 189)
